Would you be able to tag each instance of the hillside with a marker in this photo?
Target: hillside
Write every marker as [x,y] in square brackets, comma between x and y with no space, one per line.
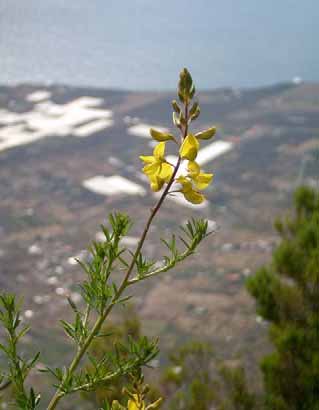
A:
[55,140]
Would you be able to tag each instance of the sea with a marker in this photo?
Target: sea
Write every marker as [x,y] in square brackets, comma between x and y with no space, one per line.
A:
[143,44]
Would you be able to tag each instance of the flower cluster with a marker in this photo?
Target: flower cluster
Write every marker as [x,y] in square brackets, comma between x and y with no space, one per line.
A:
[137,395]
[159,171]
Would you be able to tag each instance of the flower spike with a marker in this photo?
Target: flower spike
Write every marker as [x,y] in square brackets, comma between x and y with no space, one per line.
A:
[158,170]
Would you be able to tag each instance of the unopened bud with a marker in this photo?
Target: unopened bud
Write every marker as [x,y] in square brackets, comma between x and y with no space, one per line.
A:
[207,134]
[176,107]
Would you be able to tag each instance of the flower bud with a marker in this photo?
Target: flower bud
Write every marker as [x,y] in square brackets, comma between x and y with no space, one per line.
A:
[160,136]
[186,89]
[176,107]
[194,111]
[176,120]
[207,134]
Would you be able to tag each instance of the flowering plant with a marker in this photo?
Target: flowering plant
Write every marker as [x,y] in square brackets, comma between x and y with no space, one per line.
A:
[100,293]
[160,171]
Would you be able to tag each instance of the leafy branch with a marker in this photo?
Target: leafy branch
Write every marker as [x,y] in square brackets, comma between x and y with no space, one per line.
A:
[100,292]
[19,367]
[194,232]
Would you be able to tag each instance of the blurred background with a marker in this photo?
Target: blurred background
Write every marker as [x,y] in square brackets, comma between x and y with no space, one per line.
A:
[81,83]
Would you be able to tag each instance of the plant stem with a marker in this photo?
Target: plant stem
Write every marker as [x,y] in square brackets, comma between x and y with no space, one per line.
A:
[125,283]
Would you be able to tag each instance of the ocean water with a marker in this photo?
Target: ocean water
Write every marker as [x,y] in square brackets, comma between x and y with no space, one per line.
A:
[142,44]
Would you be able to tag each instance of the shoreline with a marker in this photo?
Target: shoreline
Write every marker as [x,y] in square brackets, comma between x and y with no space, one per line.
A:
[94,88]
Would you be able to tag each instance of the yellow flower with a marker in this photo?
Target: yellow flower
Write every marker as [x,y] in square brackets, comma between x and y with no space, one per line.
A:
[200,179]
[154,162]
[159,180]
[157,169]
[190,194]
[136,404]
[197,178]
[189,148]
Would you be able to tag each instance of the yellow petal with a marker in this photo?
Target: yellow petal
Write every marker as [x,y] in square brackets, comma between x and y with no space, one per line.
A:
[186,184]
[194,197]
[156,184]
[203,180]
[148,159]
[193,169]
[159,151]
[160,136]
[135,404]
[152,169]
[166,172]
[131,405]
[189,148]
